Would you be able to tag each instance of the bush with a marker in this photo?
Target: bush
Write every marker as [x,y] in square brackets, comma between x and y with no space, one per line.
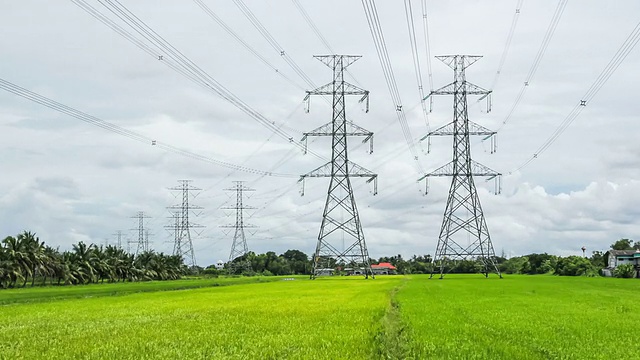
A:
[625,271]
[574,266]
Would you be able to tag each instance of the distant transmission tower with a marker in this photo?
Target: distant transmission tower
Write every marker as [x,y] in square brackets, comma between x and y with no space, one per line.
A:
[118,235]
[182,244]
[239,247]
[340,216]
[142,244]
[464,234]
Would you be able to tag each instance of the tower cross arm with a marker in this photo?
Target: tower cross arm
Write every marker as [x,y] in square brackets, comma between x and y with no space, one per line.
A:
[476,169]
[449,129]
[467,89]
[325,170]
[467,60]
[347,89]
[327,130]
[328,89]
[332,60]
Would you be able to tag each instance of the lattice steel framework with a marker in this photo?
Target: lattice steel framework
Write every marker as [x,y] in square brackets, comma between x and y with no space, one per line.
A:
[340,218]
[239,248]
[182,226]
[142,244]
[464,234]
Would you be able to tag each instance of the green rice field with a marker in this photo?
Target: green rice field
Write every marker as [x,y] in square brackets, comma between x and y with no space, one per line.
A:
[392,317]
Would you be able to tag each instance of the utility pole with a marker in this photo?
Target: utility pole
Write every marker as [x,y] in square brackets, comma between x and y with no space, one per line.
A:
[182,244]
[239,248]
[141,244]
[341,239]
[464,234]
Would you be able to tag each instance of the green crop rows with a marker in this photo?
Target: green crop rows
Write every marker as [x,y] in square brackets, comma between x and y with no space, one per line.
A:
[461,317]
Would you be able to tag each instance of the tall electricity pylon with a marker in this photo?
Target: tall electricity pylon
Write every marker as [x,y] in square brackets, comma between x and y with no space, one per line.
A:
[182,244]
[239,248]
[340,216]
[118,235]
[142,244]
[464,234]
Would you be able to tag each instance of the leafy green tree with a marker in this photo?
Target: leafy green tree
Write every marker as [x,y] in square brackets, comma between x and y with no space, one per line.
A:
[622,244]
[598,260]
[574,266]
[514,265]
[537,264]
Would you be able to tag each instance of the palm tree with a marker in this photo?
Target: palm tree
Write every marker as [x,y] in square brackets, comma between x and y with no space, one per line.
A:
[25,256]
[81,260]
[18,258]
[52,264]
[34,250]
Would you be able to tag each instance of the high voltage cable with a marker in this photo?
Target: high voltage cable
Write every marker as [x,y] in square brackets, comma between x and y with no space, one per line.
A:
[54,105]
[383,55]
[627,46]
[162,50]
[237,37]
[416,59]
[507,45]
[557,15]
[425,29]
[312,25]
[316,30]
[272,41]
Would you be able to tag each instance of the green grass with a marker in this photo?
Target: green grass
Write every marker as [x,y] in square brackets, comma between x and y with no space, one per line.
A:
[521,317]
[460,317]
[50,293]
[300,319]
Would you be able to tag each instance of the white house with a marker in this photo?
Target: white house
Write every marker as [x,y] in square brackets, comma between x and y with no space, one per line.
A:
[220,265]
[615,258]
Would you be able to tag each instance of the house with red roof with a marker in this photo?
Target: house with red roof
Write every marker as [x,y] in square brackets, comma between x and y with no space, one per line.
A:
[383,268]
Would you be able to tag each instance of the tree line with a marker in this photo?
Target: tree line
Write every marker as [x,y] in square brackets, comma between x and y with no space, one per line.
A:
[571,265]
[25,259]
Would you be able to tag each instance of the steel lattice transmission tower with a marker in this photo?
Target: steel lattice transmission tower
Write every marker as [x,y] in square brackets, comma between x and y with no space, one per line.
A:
[182,244]
[118,235]
[341,239]
[239,248]
[142,243]
[464,234]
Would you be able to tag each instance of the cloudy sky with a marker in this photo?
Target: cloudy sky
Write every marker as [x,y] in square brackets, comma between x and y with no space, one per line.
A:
[71,181]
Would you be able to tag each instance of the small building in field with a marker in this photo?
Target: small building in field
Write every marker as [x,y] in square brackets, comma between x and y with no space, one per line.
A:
[325,272]
[220,265]
[383,268]
[615,258]
[354,271]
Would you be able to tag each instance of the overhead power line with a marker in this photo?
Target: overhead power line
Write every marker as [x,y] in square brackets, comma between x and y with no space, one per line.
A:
[507,45]
[416,59]
[313,26]
[383,55]
[246,45]
[551,29]
[54,105]
[272,41]
[427,43]
[159,48]
[623,51]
